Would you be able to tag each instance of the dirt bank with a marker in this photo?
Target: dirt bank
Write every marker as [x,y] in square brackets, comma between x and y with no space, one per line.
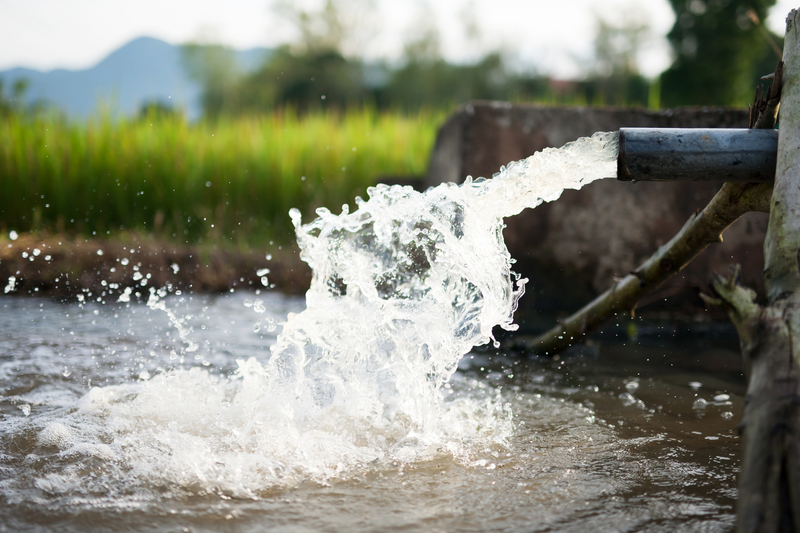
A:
[65,266]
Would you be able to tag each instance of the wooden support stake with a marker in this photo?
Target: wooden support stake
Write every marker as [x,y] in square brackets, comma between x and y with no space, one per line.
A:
[769,486]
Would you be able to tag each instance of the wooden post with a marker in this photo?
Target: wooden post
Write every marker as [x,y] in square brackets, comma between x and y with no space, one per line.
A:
[769,485]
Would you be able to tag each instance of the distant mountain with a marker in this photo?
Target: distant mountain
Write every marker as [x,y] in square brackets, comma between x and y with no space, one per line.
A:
[143,70]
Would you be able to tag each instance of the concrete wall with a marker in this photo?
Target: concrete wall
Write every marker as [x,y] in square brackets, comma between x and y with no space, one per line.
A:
[572,249]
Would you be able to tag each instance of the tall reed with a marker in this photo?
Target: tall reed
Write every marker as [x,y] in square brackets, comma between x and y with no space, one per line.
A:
[233,179]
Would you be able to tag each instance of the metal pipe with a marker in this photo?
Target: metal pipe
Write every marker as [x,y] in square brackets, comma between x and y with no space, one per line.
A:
[694,154]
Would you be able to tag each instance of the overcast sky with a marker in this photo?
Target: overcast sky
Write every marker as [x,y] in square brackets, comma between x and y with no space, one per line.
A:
[551,36]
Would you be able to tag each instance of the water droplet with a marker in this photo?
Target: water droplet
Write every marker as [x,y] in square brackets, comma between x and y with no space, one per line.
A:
[629,400]
[125,296]
[699,404]
[12,281]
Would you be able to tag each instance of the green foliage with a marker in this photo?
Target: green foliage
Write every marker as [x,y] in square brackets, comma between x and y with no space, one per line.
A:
[227,180]
[721,52]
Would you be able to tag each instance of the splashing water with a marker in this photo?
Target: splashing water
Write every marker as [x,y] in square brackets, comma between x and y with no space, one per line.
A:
[402,288]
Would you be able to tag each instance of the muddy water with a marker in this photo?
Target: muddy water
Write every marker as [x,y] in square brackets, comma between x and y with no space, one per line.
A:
[641,437]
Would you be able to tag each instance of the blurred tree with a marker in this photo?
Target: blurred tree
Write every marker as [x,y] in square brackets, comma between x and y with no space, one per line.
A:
[426,79]
[214,66]
[15,102]
[322,68]
[615,78]
[313,72]
[158,109]
[314,79]
[720,52]
[435,82]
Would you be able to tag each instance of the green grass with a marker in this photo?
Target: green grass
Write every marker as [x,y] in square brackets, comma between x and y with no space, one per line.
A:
[231,180]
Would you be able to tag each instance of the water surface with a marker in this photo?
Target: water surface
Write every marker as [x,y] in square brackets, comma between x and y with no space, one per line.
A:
[642,437]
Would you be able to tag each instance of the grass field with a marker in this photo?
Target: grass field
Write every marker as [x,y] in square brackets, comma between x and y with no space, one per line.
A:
[229,181]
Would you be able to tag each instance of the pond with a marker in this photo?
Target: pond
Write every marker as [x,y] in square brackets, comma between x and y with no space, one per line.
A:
[120,416]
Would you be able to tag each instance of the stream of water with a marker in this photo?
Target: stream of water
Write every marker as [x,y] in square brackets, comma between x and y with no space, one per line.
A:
[364,407]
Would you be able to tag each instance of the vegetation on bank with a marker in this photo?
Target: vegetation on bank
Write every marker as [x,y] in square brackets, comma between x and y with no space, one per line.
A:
[229,180]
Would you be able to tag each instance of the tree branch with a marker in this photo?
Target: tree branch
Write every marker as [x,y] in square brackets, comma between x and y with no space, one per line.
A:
[704,228]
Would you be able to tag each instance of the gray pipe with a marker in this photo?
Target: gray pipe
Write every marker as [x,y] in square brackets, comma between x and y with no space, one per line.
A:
[693,154]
